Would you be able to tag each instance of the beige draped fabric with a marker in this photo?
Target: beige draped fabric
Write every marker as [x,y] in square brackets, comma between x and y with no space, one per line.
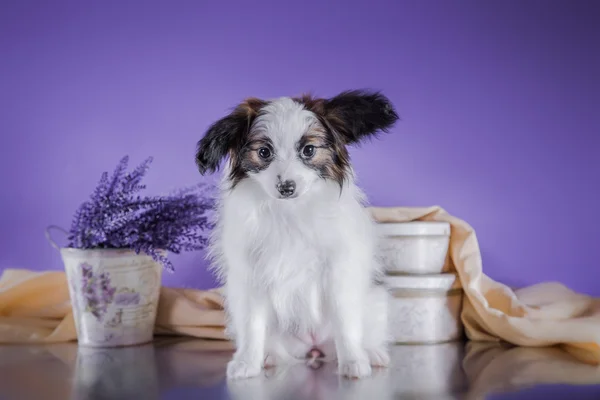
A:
[35,308]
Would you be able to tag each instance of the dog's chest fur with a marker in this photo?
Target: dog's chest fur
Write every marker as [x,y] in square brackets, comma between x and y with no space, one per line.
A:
[290,256]
[289,248]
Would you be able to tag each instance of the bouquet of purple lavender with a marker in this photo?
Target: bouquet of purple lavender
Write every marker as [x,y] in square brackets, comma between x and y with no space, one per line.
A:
[116,217]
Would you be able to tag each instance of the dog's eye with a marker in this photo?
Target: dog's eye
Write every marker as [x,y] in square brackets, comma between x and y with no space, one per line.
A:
[264,153]
[308,151]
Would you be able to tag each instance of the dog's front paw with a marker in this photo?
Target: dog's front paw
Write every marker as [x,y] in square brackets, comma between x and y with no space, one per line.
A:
[355,369]
[238,369]
[379,357]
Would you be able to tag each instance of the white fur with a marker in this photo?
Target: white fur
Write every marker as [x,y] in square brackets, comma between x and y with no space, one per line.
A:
[298,272]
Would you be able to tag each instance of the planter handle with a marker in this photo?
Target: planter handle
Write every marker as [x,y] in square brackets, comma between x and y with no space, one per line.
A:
[49,236]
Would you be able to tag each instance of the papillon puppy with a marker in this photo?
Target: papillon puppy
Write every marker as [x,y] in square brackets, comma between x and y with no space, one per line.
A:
[294,245]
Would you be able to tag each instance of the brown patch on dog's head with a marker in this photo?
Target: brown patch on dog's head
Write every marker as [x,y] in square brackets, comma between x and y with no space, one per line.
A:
[227,136]
[345,119]
[249,159]
[329,158]
[250,107]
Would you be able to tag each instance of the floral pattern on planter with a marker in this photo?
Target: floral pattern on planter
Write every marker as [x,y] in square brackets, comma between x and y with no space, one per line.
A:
[116,320]
[97,291]
[127,297]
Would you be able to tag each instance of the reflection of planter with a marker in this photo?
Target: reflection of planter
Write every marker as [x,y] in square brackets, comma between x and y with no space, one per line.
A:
[114,295]
[123,373]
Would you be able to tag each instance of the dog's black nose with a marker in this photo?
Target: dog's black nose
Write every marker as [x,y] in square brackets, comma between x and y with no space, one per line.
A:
[287,188]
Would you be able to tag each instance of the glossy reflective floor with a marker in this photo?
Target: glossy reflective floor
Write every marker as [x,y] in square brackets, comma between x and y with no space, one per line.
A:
[175,368]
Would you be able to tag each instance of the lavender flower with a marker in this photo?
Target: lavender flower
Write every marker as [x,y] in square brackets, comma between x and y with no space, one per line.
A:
[116,217]
[97,291]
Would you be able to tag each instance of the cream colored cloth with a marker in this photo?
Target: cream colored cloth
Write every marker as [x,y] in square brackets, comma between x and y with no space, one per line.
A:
[496,368]
[545,314]
[34,306]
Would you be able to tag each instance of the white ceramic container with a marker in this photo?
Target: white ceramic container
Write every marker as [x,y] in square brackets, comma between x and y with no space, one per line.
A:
[425,309]
[114,295]
[417,247]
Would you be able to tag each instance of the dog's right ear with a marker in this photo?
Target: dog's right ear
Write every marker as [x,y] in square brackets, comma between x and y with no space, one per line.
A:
[226,135]
[218,140]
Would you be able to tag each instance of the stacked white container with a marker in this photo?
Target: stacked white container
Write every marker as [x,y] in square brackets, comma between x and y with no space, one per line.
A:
[426,296]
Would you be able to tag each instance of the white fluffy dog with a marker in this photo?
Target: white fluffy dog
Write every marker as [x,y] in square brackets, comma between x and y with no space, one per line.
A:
[293,244]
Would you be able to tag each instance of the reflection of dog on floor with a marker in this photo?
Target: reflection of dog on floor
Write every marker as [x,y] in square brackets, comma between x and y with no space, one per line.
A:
[294,245]
[301,382]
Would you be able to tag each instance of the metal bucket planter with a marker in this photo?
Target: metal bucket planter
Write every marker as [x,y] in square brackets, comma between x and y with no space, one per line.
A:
[114,295]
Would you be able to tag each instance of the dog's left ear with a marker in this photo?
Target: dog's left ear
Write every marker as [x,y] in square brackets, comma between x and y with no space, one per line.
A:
[359,114]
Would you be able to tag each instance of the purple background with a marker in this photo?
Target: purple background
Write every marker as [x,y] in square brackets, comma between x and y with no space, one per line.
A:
[499,103]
